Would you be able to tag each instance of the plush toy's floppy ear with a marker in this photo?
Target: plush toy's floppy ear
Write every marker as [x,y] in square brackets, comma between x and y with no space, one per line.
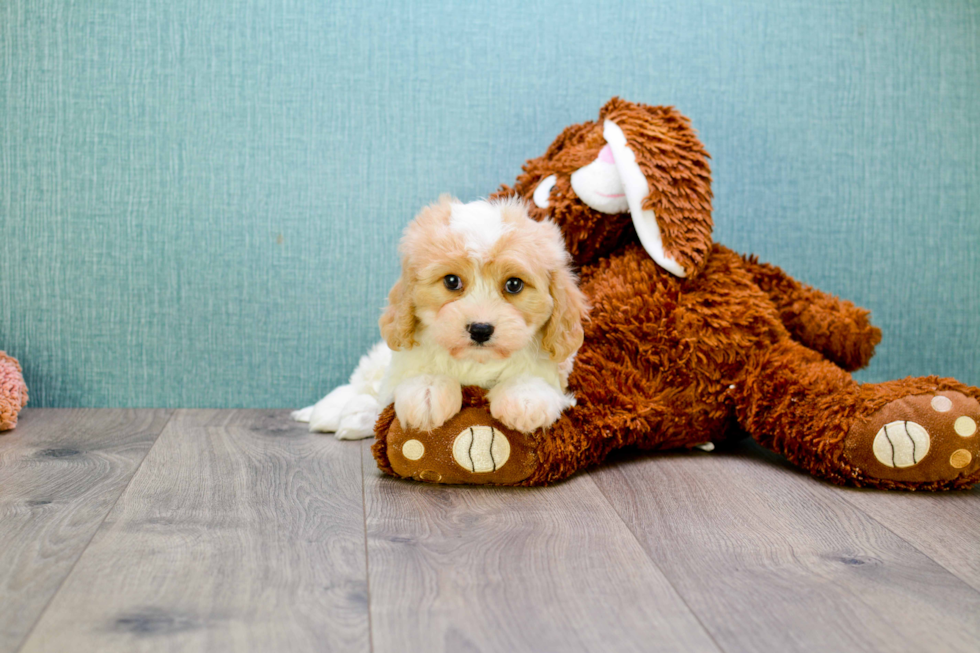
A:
[666,179]
[563,334]
[398,321]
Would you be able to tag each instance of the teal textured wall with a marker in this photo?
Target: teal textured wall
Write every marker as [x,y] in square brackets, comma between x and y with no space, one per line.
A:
[199,205]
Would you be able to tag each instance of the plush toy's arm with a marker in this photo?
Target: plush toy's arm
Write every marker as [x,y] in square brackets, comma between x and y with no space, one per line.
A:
[834,327]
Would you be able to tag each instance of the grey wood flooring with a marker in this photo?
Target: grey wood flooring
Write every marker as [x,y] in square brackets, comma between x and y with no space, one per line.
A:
[236,530]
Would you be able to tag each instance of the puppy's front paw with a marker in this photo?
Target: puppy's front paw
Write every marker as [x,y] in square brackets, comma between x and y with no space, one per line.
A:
[425,402]
[527,404]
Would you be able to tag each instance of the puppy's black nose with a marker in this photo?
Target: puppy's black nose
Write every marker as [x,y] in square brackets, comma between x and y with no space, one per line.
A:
[480,331]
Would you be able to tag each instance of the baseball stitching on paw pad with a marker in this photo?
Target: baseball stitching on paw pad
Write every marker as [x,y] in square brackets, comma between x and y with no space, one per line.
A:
[481,449]
[901,444]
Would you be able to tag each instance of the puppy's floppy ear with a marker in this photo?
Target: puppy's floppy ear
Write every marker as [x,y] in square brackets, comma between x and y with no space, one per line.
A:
[398,321]
[667,181]
[563,333]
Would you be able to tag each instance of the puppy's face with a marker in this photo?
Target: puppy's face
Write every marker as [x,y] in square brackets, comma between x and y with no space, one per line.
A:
[481,280]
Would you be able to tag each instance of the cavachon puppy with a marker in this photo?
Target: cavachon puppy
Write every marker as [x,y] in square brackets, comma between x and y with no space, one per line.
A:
[486,298]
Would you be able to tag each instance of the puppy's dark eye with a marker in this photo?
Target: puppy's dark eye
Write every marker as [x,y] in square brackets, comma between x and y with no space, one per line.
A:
[452,282]
[514,285]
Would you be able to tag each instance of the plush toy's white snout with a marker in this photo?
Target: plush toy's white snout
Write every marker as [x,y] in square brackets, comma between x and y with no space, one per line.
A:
[600,186]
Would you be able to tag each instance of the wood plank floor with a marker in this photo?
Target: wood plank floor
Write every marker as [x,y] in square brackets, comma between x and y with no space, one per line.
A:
[205,530]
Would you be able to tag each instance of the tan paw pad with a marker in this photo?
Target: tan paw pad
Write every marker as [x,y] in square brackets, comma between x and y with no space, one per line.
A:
[941,404]
[960,458]
[922,438]
[413,449]
[965,426]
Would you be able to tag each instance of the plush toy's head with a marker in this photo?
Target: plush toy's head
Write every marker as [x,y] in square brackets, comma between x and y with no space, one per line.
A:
[638,173]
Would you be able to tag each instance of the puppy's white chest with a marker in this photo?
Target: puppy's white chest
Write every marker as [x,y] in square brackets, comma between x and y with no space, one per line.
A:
[485,375]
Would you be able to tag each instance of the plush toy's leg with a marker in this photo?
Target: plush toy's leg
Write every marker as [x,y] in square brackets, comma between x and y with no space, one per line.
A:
[916,433]
[836,328]
[474,448]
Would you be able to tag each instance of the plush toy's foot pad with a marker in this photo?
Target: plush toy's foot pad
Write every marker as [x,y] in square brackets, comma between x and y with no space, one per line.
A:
[923,438]
[471,448]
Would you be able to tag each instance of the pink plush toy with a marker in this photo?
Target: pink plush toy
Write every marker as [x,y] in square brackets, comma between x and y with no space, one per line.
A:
[13,391]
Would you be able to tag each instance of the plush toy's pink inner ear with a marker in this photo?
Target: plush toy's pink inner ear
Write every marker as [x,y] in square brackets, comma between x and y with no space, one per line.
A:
[606,155]
[636,188]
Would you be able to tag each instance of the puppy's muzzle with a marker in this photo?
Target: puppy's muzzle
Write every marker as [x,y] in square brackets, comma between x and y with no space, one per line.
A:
[480,332]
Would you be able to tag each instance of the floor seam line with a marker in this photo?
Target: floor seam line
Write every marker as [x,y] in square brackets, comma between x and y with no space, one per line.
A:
[926,555]
[841,496]
[669,582]
[367,562]
[81,554]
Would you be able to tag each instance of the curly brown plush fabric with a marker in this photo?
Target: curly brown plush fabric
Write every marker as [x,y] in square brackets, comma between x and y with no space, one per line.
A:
[732,347]
[13,391]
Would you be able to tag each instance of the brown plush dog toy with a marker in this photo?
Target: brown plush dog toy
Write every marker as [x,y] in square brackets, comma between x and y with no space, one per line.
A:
[690,342]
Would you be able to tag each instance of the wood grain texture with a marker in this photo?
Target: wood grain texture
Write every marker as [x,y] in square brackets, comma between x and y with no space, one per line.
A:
[944,526]
[772,560]
[241,531]
[60,473]
[513,569]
